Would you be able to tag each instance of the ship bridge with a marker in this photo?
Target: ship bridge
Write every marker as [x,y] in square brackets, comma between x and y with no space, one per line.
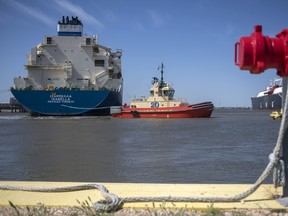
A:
[70,27]
[168,91]
[161,89]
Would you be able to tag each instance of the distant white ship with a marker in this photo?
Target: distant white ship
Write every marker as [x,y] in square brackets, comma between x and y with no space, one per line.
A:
[271,98]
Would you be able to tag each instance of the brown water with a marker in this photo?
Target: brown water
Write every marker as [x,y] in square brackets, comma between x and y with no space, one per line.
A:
[231,147]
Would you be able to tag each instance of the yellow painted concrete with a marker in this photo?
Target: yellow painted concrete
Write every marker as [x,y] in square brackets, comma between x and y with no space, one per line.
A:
[264,197]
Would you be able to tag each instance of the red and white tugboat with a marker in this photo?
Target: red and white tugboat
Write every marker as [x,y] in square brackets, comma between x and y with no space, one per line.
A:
[161,104]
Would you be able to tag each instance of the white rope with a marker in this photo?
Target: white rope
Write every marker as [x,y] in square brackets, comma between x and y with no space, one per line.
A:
[111,203]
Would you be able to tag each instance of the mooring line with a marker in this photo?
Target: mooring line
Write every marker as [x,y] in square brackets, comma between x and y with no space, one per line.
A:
[111,203]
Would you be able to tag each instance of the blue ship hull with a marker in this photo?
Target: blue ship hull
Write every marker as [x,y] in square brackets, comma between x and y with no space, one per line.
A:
[68,102]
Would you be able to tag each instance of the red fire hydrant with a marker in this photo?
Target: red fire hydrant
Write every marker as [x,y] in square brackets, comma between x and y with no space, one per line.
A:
[258,53]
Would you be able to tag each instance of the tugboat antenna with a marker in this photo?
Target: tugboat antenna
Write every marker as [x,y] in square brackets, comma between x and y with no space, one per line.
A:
[161,67]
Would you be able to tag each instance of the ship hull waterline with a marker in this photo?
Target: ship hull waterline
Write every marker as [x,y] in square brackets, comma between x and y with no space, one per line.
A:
[68,102]
[203,110]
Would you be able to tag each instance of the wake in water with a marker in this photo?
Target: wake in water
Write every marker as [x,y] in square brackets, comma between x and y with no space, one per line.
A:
[17,116]
[12,117]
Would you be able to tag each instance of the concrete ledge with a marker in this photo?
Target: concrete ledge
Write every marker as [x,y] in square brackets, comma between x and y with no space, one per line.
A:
[263,198]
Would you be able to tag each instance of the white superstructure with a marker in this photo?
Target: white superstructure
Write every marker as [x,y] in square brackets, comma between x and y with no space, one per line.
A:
[274,88]
[161,95]
[71,60]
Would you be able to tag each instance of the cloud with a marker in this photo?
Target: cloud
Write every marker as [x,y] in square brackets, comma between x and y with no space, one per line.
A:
[78,11]
[139,26]
[110,16]
[156,18]
[39,15]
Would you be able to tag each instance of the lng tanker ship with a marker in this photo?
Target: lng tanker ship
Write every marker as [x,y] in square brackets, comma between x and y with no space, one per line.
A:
[70,74]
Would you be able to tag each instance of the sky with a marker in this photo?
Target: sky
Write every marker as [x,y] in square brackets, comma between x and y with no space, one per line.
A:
[193,38]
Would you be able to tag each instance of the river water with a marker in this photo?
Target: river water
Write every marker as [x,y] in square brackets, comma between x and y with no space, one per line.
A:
[230,147]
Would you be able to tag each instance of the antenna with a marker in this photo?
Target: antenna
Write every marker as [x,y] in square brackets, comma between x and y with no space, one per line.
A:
[161,67]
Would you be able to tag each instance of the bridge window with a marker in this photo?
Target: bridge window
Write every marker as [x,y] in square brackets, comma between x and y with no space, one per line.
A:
[99,63]
[169,94]
[88,41]
[49,40]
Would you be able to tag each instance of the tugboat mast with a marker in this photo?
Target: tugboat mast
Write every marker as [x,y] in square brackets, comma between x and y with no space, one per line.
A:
[161,67]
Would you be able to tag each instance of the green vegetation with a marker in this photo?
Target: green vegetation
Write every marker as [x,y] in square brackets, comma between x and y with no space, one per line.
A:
[211,211]
[40,210]
[86,209]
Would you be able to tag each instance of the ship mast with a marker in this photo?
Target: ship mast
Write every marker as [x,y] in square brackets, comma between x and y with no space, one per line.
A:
[161,67]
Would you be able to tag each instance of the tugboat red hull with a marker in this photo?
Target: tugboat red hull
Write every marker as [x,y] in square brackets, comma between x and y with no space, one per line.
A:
[200,110]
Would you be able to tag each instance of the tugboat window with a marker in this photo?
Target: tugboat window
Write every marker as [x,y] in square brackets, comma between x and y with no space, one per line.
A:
[99,63]
[171,94]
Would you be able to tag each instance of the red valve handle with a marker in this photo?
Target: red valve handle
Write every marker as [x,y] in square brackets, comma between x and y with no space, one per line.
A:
[236,53]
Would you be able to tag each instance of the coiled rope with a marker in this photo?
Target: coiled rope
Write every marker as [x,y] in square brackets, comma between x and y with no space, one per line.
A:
[112,202]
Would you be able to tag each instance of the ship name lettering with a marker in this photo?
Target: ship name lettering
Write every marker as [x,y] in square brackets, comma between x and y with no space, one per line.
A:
[54,98]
